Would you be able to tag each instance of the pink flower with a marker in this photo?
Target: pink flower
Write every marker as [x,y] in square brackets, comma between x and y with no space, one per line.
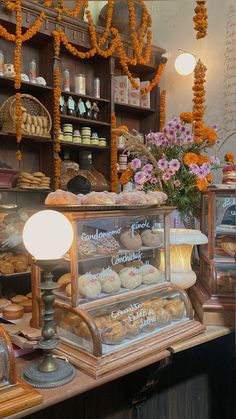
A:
[162,164]
[177,183]
[166,177]
[136,164]
[147,168]
[140,178]
[215,160]
[170,171]
[153,180]
[174,164]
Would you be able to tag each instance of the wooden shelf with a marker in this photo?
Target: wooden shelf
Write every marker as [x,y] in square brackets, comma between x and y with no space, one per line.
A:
[134,109]
[25,190]
[25,86]
[34,138]
[92,98]
[85,146]
[77,120]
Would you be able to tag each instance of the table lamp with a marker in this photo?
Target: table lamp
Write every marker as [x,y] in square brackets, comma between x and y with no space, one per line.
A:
[47,236]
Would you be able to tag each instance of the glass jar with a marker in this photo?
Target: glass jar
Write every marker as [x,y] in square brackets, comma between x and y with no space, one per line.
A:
[66,80]
[80,84]
[2,66]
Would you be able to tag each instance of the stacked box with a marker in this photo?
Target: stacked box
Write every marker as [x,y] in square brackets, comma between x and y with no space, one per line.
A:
[145,99]
[120,84]
[133,94]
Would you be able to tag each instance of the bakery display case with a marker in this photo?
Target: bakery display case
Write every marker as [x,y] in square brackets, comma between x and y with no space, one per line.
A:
[114,299]
[213,295]
[107,337]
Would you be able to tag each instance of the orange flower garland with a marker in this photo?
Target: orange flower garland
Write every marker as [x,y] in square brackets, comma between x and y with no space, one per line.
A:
[57,124]
[162,110]
[106,32]
[126,177]
[186,117]
[199,92]
[229,157]
[155,81]
[201,184]
[190,158]
[114,175]
[63,9]
[34,29]
[18,112]
[200,19]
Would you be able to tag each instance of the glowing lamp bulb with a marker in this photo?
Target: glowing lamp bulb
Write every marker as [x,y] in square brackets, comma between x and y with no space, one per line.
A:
[47,235]
[185,63]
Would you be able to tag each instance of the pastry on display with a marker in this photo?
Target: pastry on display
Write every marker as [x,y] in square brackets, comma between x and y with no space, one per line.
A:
[130,278]
[89,286]
[155,197]
[130,198]
[110,281]
[228,244]
[13,312]
[163,316]
[86,248]
[27,305]
[6,268]
[114,333]
[149,322]
[150,274]
[4,303]
[60,197]
[10,263]
[133,327]
[18,299]
[176,308]
[150,238]
[64,280]
[35,180]
[131,240]
[107,245]
[98,198]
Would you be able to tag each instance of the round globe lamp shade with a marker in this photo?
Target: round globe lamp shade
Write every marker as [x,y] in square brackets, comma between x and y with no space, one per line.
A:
[185,63]
[47,235]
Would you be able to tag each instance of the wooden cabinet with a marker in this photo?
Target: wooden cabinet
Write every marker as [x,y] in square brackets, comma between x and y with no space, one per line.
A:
[37,152]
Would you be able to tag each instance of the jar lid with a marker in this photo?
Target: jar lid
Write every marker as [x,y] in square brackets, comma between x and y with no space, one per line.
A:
[86,128]
[67,125]
[80,75]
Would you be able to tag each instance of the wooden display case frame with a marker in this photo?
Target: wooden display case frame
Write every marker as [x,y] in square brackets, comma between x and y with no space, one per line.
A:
[212,308]
[16,395]
[96,363]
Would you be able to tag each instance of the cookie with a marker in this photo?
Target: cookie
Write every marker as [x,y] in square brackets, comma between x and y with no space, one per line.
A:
[38,174]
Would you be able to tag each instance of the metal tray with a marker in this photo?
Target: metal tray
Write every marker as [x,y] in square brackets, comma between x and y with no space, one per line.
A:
[100,207]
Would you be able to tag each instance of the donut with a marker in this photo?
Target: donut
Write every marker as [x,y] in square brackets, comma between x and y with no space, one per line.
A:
[150,274]
[131,240]
[110,281]
[114,334]
[130,278]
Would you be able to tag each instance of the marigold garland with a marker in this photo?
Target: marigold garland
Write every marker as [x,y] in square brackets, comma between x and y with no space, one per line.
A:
[200,19]
[162,110]
[70,12]
[114,174]
[18,112]
[57,124]
[229,157]
[186,117]
[155,81]
[198,108]
[126,177]
[190,158]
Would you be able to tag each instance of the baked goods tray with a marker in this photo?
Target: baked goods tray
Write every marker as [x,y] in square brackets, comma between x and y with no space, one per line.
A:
[15,274]
[100,207]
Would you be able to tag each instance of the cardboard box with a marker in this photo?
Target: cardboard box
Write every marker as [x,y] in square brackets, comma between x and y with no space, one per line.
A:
[133,94]
[120,84]
[144,99]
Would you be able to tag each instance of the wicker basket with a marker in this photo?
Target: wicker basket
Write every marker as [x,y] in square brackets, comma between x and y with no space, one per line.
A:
[35,117]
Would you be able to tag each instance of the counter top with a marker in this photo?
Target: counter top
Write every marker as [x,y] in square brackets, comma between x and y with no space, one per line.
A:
[83,382]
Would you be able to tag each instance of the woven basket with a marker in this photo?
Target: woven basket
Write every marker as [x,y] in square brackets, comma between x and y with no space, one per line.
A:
[35,117]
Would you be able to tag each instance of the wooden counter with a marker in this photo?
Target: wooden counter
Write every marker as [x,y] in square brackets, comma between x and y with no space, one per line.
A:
[83,383]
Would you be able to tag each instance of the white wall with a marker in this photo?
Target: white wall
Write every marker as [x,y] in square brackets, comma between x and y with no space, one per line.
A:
[173,29]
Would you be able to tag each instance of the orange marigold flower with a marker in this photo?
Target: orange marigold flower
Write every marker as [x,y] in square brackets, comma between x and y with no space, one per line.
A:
[190,158]
[201,184]
[209,178]
[209,134]
[229,157]
[186,117]
[202,159]
[126,177]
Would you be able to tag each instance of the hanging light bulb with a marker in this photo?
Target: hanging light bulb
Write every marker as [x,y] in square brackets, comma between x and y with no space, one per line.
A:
[185,63]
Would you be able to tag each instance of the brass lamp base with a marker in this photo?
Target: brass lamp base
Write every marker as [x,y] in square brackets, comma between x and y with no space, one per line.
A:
[64,373]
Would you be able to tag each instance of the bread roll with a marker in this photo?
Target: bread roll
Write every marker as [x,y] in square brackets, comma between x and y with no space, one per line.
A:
[13,312]
[130,278]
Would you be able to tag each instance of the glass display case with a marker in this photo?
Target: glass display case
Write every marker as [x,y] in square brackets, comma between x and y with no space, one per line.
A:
[114,299]
[214,292]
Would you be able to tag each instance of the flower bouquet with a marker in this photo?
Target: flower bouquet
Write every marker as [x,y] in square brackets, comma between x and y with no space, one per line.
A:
[173,161]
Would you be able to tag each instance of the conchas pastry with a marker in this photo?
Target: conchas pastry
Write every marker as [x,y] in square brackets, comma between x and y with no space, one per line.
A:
[89,286]
[130,278]
[131,240]
[131,197]
[110,281]
[150,274]
[60,197]
[151,238]
[156,197]
[98,198]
